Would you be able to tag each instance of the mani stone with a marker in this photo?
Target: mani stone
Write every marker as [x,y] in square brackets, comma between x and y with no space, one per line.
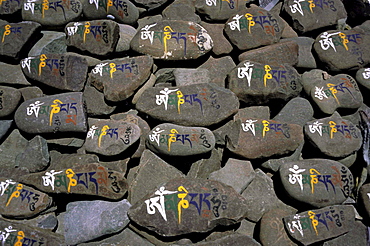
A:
[15,36]
[12,75]
[275,54]
[120,78]
[18,233]
[9,7]
[256,83]
[307,16]
[52,13]
[254,138]
[9,100]
[343,50]
[183,206]
[358,236]
[253,27]
[172,40]
[60,112]
[363,77]
[110,137]
[62,71]
[192,105]
[90,179]
[21,201]
[98,37]
[317,182]
[217,10]
[334,136]
[87,220]
[175,140]
[316,225]
[122,11]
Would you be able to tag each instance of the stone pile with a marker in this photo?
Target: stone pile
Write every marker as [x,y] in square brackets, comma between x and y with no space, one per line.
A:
[184,122]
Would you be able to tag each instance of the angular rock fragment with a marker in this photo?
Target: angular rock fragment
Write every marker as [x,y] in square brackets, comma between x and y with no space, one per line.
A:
[9,7]
[52,42]
[217,10]
[218,69]
[95,103]
[183,206]
[9,100]
[296,111]
[12,75]
[61,112]
[221,46]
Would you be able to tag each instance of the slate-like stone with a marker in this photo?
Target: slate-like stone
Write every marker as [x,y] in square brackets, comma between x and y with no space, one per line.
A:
[296,111]
[120,78]
[62,71]
[95,103]
[152,4]
[183,206]
[358,236]
[9,100]
[221,46]
[14,144]
[110,137]
[87,220]
[10,7]
[64,161]
[317,182]
[4,127]
[218,69]
[122,11]
[236,173]
[172,40]
[363,77]
[307,16]
[274,54]
[31,92]
[21,201]
[12,75]
[151,172]
[61,112]
[217,10]
[126,33]
[69,142]
[316,225]
[334,136]
[90,179]
[53,13]
[189,76]
[15,36]
[193,105]
[181,10]
[364,199]
[253,27]
[35,157]
[52,42]
[175,140]
[343,50]
[305,56]
[256,83]
[205,166]
[98,37]
[257,138]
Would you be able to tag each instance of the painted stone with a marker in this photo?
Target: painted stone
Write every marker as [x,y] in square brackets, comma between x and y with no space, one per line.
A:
[316,225]
[51,13]
[221,45]
[334,136]
[120,78]
[253,27]
[317,182]
[183,206]
[343,50]
[98,37]
[89,179]
[62,71]
[17,233]
[21,201]
[218,10]
[123,11]
[257,138]
[364,199]
[175,140]
[256,83]
[57,113]
[311,15]
[9,100]
[9,7]
[14,37]
[363,77]
[172,40]
[110,137]
[192,105]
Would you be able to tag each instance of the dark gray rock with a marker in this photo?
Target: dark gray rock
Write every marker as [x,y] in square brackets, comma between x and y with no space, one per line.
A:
[4,127]
[53,13]
[87,220]
[218,69]
[193,105]
[63,161]
[305,56]
[95,103]
[358,236]
[12,75]
[317,225]
[152,4]
[364,199]
[317,182]
[69,142]
[31,92]
[98,37]
[296,111]
[334,136]
[215,10]
[256,83]
[189,76]
[10,7]
[221,46]
[110,137]
[205,166]
[203,204]
[120,78]
[181,10]
[126,33]
[172,40]
[52,42]
[363,77]
[9,100]
[308,16]
[14,144]
[175,140]
[256,25]
[232,239]
[63,71]
[61,112]
[21,201]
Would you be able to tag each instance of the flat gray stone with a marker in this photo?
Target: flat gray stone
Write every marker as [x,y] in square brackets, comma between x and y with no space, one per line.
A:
[31,92]
[9,99]
[297,111]
[95,103]
[358,236]
[205,166]
[221,46]
[4,127]
[12,75]
[52,42]
[305,56]
[14,144]
[189,76]
[126,33]
[218,69]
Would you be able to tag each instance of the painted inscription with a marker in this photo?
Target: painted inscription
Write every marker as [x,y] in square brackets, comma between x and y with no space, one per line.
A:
[366,73]
[36,65]
[264,127]
[129,69]
[299,6]
[333,128]
[11,236]
[220,3]
[52,6]
[108,132]
[98,31]
[9,32]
